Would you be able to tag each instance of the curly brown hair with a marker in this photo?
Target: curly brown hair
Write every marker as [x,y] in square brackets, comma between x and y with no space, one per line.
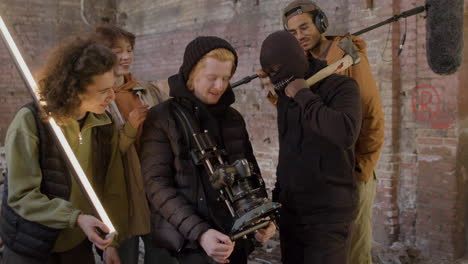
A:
[108,35]
[69,69]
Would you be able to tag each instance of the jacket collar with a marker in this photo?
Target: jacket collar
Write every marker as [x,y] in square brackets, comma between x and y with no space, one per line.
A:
[92,120]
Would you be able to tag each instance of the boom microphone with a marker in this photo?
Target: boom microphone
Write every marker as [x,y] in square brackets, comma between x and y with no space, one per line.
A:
[444,35]
[244,80]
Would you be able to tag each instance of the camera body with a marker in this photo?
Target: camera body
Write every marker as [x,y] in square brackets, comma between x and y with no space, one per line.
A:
[240,187]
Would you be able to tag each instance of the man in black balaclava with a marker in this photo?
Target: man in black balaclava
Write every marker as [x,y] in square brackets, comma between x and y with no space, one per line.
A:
[318,127]
[283,60]
[308,23]
[187,216]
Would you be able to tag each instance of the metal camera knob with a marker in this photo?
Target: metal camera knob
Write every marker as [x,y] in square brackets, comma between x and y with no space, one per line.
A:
[243,168]
[224,175]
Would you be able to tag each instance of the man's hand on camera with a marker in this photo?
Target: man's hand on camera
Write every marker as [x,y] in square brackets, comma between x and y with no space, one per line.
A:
[264,234]
[90,226]
[217,245]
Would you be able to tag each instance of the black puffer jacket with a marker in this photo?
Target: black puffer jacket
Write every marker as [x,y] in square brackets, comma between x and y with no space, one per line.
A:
[317,132]
[175,187]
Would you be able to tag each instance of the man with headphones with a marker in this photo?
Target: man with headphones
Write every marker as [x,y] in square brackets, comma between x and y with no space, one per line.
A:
[308,23]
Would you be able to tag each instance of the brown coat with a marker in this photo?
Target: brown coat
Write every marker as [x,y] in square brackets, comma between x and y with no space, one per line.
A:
[139,214]
[371,137]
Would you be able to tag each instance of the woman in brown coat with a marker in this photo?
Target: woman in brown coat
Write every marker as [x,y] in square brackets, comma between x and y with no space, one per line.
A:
[132,99]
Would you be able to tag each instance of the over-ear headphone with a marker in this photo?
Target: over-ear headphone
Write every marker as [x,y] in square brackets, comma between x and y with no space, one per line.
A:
[305,6]
[321,21]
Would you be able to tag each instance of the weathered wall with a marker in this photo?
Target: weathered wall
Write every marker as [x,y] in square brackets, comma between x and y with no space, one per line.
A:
[419,199]
[422,175]
[431,217]
[165,28]
[36,25]
[462,151]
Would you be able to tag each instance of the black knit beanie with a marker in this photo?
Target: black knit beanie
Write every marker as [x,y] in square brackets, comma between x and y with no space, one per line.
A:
[197,48]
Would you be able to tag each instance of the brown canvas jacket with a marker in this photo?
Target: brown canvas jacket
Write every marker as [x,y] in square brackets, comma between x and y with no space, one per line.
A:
[139,213]
[371,137]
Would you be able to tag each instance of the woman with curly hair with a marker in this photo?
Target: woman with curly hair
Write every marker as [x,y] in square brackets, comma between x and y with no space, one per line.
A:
[45,215]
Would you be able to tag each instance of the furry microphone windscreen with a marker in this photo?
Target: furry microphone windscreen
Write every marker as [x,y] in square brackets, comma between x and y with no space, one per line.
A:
[444,35]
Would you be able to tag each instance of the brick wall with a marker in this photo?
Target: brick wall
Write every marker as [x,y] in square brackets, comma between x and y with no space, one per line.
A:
[462,153]
[36,25]
[421,197]
[419,194]
[430,128]
[164,29]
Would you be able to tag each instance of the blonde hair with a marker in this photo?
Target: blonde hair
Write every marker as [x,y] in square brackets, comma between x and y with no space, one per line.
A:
[220,54]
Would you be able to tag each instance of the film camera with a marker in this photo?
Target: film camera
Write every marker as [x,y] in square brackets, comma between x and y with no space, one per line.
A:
[242,190]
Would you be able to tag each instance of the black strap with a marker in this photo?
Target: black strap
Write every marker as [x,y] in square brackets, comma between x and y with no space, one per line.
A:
[200,143]
[186,123]
[189,128]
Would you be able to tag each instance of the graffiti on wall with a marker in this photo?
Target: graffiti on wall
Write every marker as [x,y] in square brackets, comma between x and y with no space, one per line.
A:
[428,107]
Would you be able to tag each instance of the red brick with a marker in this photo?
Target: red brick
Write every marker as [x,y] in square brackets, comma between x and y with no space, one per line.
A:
[430,141]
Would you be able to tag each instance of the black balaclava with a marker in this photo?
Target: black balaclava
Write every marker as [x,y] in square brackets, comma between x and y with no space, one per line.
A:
[281,50]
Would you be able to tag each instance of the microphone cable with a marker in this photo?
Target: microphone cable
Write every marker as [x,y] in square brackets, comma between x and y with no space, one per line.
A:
[402,43]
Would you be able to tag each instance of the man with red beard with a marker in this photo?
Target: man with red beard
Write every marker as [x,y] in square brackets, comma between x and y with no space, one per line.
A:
[188,217]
